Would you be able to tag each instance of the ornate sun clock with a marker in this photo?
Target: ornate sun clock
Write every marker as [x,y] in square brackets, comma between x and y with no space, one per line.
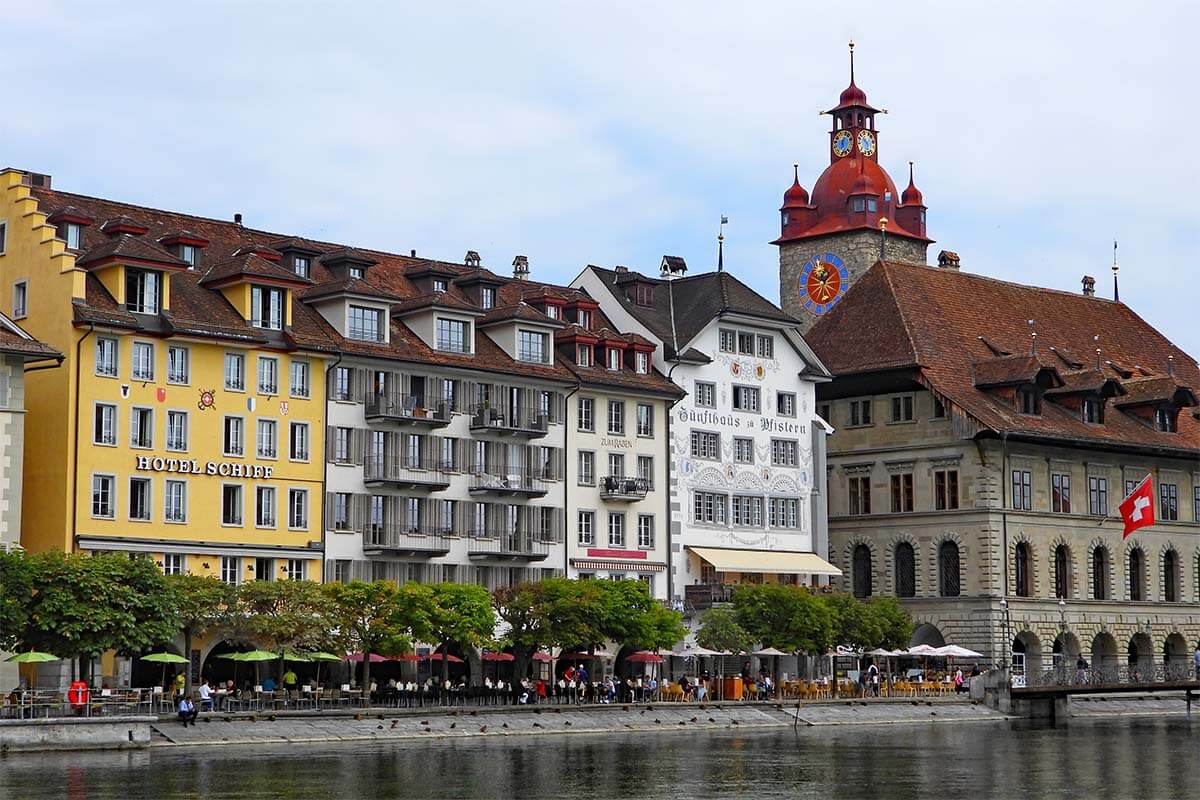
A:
[823,281]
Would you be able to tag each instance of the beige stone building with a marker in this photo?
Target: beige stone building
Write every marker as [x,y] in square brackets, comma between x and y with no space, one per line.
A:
[985,435]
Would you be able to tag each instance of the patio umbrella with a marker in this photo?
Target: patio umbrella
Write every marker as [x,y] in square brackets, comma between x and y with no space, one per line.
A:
[921,650]
[773,654]
[540,656]
[290,656]
[32,657]
[413,657]
[955,651]
[374,658]
[451,658]
[644,657]
[164,659]
[494,656]
[257,656]
[320,656]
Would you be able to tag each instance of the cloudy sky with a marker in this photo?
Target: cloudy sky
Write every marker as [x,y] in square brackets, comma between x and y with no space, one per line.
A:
[614,133]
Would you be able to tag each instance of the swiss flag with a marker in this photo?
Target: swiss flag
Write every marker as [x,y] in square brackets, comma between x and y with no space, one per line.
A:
[1138,509]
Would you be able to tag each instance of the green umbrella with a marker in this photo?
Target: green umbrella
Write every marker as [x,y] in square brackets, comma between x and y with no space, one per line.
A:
[257,655]
[232,656]
[32,657]
[290,656]
[320,656]
[164,659]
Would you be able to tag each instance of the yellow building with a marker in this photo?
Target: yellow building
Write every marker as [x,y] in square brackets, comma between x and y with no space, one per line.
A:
[188,419]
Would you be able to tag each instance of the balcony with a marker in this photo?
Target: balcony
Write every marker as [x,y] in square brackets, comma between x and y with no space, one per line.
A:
[508,545]
[403,473]
[406,540]
[408,409]
[508,482]
[624,489]
[530,423]
[703,596]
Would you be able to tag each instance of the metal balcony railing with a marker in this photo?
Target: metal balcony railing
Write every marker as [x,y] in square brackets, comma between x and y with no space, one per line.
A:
[514,421]
[405,472]
[408,409]
[616,487]
[400,539]
[518,545]
[503,481]
[703,596]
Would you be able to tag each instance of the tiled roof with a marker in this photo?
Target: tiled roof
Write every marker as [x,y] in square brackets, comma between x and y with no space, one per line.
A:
[124,245]
[252,265]
[438,300]
[929,320]
[1010,370]
[517,311]
[351,286]
[14,339]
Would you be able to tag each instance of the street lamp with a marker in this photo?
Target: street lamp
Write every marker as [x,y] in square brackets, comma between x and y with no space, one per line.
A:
[1007,634]
[1062,613]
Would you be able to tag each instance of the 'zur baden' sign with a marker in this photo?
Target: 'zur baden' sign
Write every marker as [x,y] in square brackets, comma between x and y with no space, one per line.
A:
[190,466]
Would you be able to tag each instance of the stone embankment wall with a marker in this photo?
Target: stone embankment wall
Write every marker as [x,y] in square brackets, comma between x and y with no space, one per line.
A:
[96,733]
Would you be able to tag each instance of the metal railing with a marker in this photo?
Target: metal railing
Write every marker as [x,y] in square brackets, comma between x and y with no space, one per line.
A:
[499,480]
[405,471]
[398,537]
[703,596]
[616,487]
[508,544]
[517,420]
[408,408]
[1142,673]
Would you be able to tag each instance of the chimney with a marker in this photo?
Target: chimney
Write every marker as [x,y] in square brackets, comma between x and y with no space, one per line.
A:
[948,259]
[619,268]
[412,253]
[1089,286]
[472,259]
[237,219]
[521,267]
[35,179]
[673,267]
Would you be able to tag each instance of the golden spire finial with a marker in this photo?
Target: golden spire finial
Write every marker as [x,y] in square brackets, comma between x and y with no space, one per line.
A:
[852,61]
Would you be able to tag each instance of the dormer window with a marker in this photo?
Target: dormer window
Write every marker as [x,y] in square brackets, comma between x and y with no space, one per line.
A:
[583,318]
[452,335]
[531,346]
[266,307]
[143,291]
[583,355]
[188,253]
[72,234]
[302,266]
[487,297]
[1029,401]
[1164,420]
[644,294]
[858,204]
[786,218]
[614,358]
[358,272]
[641,363]
[1093,410]
[551,311]
[439,284]
[365,324]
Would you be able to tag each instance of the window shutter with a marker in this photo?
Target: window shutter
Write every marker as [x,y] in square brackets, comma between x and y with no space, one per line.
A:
[358,445]
[329,511]
[329,439]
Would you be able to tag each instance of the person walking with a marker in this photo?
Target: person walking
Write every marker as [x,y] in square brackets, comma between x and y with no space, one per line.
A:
[873,678]
[1196,660]
[187,711]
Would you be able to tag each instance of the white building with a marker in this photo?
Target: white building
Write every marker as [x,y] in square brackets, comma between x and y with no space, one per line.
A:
[746,446]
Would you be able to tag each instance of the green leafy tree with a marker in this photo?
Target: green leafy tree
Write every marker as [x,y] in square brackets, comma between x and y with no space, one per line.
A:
[788,618]
[16,595]
[893,623]
[852,624]
[287,615]
[523,611]
[719,630]
[203,604]
[447,613]
[367,619]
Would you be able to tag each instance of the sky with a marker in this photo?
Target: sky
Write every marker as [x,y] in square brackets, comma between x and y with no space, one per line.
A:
[615,133]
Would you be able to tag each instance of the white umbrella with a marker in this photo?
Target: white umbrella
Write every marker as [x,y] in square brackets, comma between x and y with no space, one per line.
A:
[769,651]
[689,652]
[954,651]
[922,650]
[883,651]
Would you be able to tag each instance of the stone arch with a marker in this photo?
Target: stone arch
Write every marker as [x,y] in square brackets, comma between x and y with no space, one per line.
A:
[1104,651]
[1170,574]
[1066,650]
[892,571]
[848,560]
[1136,570]
[1175,652]
[1140,652]
[748,479]
[710,476]
[1031,572]
[783,484]
[927,633]
[1105,579]
[1061,558]
[1027,653]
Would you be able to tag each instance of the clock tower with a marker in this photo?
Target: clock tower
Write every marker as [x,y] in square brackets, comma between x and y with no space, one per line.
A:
[829,239]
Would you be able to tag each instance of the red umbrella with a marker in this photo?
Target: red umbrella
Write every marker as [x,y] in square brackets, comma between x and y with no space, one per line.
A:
[453,659]
[490,656]
[540,656]
[644,657]
[357,658]
[406,657]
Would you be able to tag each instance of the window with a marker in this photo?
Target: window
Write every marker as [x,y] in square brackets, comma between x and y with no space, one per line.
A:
[860,495]
[487,297]
[587,414]
[1022,490]
[902,408]
[948,571]
[104,491]
[644,294]
[645,419]
[706,394]
[172,563]
[616,529]
[1029,401]
[745,398]
[174,501]
[139,499]
[358,273]
[3,237]
[706,445]
[747,511]
[861,571]
[233,443]
[341,389]
[906,570]
[728,341]
[552,311]
[785,452]
[945,489]
[297,569]
[1164,420]
[645,470]
[20,299]
[299,384]
[268,375]
[141,428]
[235,372]
[341,511]
[298,441]
[616,465]
[825,411]
[177,430]
[616,417]
[143,361]
[1062,571]
[1171,576]
[339,449]
[266,307]
[766,346]
[531,346]
[860,412]
[267,440]
[264,505]
[645,531]
[142,290]
[452,335]
[302,266]
[1168,501]
[743,450]
[1097,496]
[1060,493]
[902,493]
[72,234]
[785,404]
[1100,573]
[264,569]
[231,504]
[784,512]
[939,408]
[587,528]
[641,362]
[587,467]
[745,343]
[104,429]
[708,507]
[614,358]
[106,357]
[583,317]
[178,364]
[1196,511]
[366,324]
[1093,410]
[231,570]
[1021,569]
[1137,574]
[583,355]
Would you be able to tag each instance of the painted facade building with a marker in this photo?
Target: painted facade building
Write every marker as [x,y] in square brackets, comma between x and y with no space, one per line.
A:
[747,449]
[978,462]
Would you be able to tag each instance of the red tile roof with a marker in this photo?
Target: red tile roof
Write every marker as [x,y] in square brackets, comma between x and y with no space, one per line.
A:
[251,265]
[125,247]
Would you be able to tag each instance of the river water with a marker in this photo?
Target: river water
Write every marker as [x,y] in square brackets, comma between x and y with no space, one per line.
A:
[1122,758]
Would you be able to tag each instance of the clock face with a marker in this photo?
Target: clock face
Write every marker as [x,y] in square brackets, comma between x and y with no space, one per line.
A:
[823,281]
[841,144]
[866,143]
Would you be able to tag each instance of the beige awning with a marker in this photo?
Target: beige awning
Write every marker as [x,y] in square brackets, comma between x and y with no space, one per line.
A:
[733,560]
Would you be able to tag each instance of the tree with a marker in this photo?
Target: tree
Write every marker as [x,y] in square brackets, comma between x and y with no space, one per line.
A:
[719,630]
[290,615]
[446,613]
[367,620]
[16,594]
[202,604]
[629,615]
[788,618]
[894,624]
[852,625]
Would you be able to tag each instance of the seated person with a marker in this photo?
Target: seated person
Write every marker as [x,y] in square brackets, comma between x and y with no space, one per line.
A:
[187,711]
[206,700]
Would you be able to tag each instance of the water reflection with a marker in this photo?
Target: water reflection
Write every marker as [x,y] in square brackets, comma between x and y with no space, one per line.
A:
[1087,758]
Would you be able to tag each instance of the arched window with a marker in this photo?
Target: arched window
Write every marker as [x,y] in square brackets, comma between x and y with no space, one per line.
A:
[906,570]
[1137,574]
[862,571]
[1021,569]
[1062,571]
[1100,574]
[1171,577]
[948,572]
